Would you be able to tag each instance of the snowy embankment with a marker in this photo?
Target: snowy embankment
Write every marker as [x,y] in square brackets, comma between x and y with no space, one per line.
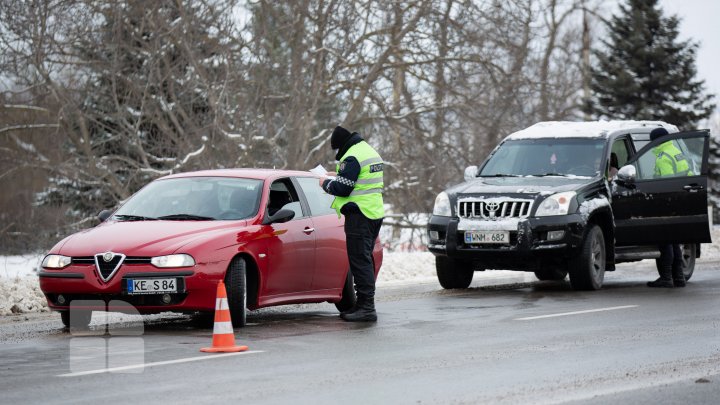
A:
[19,288]
[20,292]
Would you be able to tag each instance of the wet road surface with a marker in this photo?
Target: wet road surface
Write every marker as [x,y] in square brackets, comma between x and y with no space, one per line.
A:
[510,340]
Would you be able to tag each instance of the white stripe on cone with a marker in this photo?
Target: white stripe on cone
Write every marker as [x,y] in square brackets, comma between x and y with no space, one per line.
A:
[222,328]
[221,303]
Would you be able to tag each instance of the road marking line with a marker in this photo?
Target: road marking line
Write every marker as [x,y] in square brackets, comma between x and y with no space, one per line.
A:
[158,363]
[575,313]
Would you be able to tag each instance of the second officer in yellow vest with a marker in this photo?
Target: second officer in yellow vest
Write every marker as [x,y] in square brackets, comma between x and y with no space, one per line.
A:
[669,162]
[358,190]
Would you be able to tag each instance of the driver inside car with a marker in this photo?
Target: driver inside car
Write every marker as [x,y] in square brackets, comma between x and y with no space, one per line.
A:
[203,203]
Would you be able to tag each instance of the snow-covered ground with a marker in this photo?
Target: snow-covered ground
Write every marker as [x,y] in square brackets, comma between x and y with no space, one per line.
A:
[19,288]
[20,292]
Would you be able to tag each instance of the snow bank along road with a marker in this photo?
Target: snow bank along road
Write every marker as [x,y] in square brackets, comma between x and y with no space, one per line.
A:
[506,340]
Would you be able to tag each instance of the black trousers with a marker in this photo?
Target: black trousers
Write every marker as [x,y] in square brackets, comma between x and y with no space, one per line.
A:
[360,235]
[670,261]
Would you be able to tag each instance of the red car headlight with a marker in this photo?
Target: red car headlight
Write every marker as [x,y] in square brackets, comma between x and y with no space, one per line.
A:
[178,260]
[56,261]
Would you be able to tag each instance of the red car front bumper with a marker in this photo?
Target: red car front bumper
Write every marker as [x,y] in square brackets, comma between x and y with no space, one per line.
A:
[196,287]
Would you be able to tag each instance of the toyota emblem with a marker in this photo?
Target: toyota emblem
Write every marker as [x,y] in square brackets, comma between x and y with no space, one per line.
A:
[107,256]
[492,206]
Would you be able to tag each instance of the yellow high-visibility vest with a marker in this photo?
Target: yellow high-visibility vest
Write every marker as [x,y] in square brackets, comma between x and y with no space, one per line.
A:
[367,193]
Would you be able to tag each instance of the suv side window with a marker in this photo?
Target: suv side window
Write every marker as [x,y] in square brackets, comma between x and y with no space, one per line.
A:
[284,196]
[691,150]
[318,200]
[619,155]
[620,149]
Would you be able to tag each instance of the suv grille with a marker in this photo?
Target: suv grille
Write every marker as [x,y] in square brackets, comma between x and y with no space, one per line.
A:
[493,209]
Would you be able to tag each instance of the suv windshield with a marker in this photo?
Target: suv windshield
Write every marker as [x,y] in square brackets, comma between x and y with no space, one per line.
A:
[546,157]
[193,199]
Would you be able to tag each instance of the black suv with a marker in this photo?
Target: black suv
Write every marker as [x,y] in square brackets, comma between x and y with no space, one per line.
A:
[572,197]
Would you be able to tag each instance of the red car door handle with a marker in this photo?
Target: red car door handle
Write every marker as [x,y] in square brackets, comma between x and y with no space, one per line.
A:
[308,230]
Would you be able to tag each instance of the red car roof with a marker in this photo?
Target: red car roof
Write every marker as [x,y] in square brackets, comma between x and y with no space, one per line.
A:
[242,173]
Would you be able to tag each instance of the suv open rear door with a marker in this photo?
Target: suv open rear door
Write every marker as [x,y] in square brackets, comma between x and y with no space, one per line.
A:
[671,209]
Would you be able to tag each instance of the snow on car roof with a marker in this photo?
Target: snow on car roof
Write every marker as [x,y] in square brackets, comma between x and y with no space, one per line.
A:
[587,129]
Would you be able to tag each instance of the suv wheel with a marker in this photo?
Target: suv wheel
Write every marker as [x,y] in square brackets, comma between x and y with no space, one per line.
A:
[587,269]
[551,273]
[453,273]
[688,260]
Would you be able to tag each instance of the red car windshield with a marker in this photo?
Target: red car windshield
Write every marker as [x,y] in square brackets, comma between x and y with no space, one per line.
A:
[194,199]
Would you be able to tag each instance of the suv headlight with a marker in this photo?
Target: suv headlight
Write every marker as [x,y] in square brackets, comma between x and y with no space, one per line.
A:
[556,204]
[56,261]
[179,260]
[442,205]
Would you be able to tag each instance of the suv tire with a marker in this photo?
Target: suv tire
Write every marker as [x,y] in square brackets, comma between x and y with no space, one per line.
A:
[236,285]
[551,274]
[587,269]
[688,260]
[453,273]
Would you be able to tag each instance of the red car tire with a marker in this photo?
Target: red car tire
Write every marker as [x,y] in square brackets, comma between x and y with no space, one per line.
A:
[236,286]
[348,295]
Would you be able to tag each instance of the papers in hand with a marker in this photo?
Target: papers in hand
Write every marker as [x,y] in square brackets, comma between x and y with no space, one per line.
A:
[319,170]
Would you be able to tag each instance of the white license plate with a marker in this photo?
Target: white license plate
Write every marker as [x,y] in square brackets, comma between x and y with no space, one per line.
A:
[479,237]
[151,285]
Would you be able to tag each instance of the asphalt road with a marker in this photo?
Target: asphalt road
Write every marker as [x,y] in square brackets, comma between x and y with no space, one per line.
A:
[502,341]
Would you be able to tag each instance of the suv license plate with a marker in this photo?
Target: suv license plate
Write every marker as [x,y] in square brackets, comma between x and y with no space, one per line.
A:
[481,237]
[151,286]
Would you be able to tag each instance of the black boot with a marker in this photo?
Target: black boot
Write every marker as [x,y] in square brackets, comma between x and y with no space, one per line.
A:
[351,310]
[365,311]
[678,278]
[665,280]
[661,283]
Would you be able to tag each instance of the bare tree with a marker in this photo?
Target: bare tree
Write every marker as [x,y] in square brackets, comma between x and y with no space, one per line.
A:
[140,91]
[129,91]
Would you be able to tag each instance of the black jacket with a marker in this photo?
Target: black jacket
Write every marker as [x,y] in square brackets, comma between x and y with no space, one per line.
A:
[348,173]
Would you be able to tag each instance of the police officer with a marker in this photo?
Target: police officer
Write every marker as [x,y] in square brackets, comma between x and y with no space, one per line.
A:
[669,162]
[358,189]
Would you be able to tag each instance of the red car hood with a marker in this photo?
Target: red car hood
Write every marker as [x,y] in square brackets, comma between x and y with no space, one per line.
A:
[142,238]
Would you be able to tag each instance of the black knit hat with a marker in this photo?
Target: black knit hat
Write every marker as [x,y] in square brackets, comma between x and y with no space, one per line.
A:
[657,133]
[339,136]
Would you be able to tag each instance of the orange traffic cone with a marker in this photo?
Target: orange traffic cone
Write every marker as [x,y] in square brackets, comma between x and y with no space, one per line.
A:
[223,336]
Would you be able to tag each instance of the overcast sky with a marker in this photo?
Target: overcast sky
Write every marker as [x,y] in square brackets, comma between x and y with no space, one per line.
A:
[700,22]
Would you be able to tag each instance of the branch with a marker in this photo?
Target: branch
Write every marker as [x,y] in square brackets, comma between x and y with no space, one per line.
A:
[28,147]
[25,107]
[319,145]
[28,126]
[189,155]
[2,231]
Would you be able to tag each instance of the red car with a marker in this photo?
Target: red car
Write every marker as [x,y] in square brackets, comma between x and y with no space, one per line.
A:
[269,234]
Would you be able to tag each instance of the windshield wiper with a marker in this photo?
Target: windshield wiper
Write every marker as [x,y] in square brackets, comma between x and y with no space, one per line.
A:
[551,174]
[499,175]
[123,217]
[186,217]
